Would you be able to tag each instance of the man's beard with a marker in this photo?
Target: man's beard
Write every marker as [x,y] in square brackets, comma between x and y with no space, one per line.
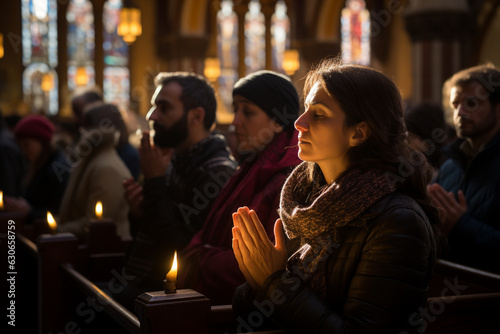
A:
[479,128]
[172,136]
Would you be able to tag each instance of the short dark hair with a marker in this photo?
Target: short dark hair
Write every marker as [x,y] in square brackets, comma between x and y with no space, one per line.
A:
[486,74]
[196,92]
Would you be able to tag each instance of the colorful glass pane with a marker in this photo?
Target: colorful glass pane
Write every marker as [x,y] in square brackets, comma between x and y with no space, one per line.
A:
[280,31]
[116,81]
[255,42]
[355,33]
[115,49]
[116,85]
[34,96]
[81,41]
[73,83]
[39,30]
[227,52]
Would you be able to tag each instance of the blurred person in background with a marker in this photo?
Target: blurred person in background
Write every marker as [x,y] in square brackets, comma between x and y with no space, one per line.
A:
[47,174]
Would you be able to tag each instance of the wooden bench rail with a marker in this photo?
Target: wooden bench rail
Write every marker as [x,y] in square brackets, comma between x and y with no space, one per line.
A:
[30,245]
[115,310]
[472,275]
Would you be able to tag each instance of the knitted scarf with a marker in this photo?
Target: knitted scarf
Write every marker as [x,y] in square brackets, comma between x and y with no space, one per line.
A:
[315,210]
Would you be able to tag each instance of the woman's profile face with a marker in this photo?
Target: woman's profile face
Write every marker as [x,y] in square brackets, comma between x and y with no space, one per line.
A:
[323,137]
[254,129]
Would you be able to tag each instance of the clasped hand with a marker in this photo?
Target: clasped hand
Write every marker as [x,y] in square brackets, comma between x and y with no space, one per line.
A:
[257,257]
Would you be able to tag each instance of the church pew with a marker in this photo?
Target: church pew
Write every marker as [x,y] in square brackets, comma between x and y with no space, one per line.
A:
[120,314]
[104,251]
[97,259]
[462,300]
[470,303]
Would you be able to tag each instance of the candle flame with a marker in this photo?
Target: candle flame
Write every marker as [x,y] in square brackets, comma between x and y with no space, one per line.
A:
[98,210]
[51,221]
[1,200]
[172,274]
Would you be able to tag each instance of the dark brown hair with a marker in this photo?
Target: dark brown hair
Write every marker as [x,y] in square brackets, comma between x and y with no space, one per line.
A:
[366,95]
[487,75]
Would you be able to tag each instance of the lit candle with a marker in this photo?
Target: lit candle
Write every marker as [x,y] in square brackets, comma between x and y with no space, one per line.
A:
[98,210]
[1,200]
[171,277]
[52,222]
[172,274]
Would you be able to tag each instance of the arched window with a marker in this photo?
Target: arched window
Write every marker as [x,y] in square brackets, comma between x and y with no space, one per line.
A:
[39,30]
[255,42]
[81,44]
[355,33]
[116,82]
[280,31]
[227,51]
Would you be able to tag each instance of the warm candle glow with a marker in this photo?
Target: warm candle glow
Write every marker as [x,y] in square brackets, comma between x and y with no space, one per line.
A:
[1,200]
[1,46]
[129,26]
[212,68]
[47,82]
[98,210]
[172,274]
[51,221]
[81,77]
[291,61]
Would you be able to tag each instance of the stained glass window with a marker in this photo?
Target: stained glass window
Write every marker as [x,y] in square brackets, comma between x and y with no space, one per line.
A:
[39,45]
[227,52]
[280,31]
[355,33]
[116,85]
[80,43]
[40,88]
[255,42]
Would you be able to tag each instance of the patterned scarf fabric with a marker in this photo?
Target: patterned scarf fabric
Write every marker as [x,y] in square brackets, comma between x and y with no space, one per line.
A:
[314,212]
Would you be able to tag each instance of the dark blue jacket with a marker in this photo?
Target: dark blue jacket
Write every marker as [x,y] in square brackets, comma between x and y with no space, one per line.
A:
[475,239]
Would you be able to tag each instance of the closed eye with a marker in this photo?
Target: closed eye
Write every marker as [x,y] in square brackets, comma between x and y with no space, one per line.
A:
[318,116]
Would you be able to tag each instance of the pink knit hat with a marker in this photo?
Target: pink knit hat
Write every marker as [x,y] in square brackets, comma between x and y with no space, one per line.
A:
[35,126]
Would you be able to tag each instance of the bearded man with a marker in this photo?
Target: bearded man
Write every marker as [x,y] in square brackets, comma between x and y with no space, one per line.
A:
[467,191]
[183,170]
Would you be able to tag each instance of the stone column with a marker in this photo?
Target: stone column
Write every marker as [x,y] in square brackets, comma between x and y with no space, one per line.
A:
[267,9]
[241,8]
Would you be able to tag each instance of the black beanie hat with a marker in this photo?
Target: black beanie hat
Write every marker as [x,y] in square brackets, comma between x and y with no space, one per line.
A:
[272,92]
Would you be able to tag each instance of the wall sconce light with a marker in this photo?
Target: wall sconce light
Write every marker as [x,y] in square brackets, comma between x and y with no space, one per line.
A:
[291,61]
[212,69]
[1,46]
[130,23]
[81,77]
[47,82]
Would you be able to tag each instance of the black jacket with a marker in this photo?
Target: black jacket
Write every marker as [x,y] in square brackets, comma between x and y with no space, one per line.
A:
[475,238]
[377,279]
[45,191]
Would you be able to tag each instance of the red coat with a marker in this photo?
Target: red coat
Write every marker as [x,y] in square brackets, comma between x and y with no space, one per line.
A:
[207,264]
